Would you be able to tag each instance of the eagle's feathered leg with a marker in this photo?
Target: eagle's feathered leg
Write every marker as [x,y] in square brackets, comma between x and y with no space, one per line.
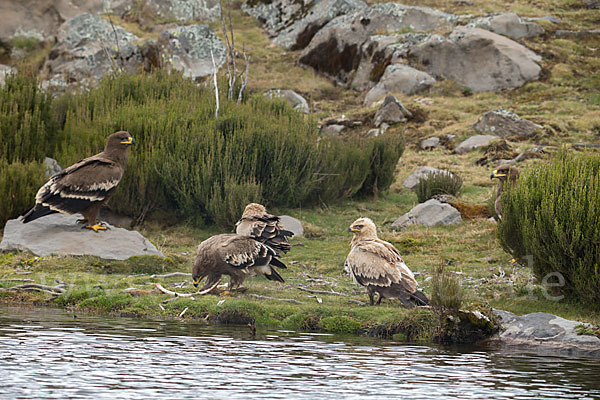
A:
[371,295]
[91,214]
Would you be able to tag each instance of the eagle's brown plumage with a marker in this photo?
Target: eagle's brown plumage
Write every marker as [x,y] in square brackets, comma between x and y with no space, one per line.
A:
[84,186]
[264,227]
[377,265]
[504,173]
[237,256]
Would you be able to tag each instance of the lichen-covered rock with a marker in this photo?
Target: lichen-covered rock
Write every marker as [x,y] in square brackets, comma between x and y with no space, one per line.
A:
[188,49]
[88,48]
[399,78]
[505,123]
[474,142]
[296,101]
[509,24]
[60,234]
[51,167]
[186,10]
[478,59]
[335,50]
[430,213]
[391,112]
[419,173]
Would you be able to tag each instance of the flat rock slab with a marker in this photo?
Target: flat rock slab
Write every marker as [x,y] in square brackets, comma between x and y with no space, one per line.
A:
[504,123]
[430,213]
[61,235]
[546,331]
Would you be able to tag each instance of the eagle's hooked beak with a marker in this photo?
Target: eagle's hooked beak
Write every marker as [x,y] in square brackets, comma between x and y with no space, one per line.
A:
[129,140]
[197,281]
[351,229]
[495,174]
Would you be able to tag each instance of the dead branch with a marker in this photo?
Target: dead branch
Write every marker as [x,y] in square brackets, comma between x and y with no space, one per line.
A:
[257,296]
[322,292]
[245,80]
[171,274]
[215,82]
[17,280]
[183,312]
[361,303]
[201,292]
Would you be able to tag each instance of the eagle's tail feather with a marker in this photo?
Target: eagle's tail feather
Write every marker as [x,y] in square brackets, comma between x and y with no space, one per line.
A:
[274,276]
[37,212]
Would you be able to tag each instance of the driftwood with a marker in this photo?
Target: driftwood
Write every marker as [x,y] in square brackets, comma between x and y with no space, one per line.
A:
[257,296]
[171,274]
[37,288]
[322,292]
[201,292]
[17,280]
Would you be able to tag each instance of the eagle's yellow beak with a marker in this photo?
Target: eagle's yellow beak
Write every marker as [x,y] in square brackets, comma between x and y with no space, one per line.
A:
[351,229]
[196,281]
[129,140]
[495,174]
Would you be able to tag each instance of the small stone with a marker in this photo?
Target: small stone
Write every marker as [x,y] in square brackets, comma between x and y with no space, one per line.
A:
[430,213]
[391,112]
[474,142]
[430,143]
[332,130]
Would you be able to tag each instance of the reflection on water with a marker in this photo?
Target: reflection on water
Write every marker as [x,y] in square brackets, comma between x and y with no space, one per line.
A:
[47,353]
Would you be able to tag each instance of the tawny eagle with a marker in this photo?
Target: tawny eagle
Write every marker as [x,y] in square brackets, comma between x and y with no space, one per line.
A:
[85,186]
[264,227]
[504,173]
[377,265]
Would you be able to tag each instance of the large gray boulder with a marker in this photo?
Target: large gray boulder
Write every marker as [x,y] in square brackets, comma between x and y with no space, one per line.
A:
[430,213]
[188,49]
[399,78]
[479,59]
[61,235]
[292,224]
[88,48]
[474,142]
[336,49]
[419,173]
[510,25]
[505,123]
[546,332]
[296,101]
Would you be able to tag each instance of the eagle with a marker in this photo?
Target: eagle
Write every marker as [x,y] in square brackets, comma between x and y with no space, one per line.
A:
[84,186]
[377,265]
[264,227]
[503,173]
[237,256]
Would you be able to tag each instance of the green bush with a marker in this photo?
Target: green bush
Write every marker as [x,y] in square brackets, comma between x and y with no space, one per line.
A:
[435,183]
[446,293]
[384,153]
[552,217]
[19,183]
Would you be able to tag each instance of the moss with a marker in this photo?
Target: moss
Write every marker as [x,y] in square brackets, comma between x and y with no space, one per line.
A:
[76,296]
[339,324]
[107,302]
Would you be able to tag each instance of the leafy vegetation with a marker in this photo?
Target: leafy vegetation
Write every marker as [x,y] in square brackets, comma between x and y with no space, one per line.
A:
[435,183]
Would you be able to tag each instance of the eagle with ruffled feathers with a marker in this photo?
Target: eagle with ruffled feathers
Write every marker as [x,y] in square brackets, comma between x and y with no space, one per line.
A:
[84,186]
[377,265]
[257,223]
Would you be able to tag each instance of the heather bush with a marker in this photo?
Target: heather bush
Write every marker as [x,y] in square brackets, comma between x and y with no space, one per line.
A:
[552,217]
[18,184]
[435,183]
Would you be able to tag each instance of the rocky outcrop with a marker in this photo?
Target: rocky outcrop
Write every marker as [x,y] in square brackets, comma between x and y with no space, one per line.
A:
[545,332]
[478,59]
[510,25]
[399,78]
[505,123]
[188,49]
[184,10]
[474,142]
[391,112]
[336,49]
[430,213]
[419,173]
[60,234]
[88,48]
[296,101]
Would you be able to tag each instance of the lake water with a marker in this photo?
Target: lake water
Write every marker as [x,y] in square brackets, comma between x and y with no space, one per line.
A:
[48,353]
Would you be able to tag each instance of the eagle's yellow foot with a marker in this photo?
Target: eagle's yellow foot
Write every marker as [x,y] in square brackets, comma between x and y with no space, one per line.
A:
[224,293]
[97,227]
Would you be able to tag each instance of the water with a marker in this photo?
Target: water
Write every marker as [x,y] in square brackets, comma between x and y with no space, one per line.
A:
[47,353]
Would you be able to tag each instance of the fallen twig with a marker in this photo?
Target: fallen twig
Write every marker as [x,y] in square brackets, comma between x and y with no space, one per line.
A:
[183,312]
[171,274]
[274,298]
[201,292]
[17,280]
[322,292]
[362,303]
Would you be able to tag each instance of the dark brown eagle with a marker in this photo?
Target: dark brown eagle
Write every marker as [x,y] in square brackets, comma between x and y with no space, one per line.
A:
[377,265]
[503,173]
[237,256]
[264,227]
[85,186]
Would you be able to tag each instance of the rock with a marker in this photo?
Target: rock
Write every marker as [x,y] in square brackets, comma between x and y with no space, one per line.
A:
[391,112]
[374,132]
[335,50]
[591,4]
[430,213]
[478,59]
[188,49]
[510,25]
[506,123]
[419,173]
[5,70]
[474,142]
[332,129]
[185,10]
[576,34]
[546,332]
[297,102]
[399,78]
[52,167]
[60,234]
[292,224]
[293,24]
[86,51]
[549,18]
[430,143]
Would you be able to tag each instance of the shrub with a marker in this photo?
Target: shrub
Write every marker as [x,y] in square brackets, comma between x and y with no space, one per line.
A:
[435,183]
[446,293]
[553,217]
[19,183]
[384,152]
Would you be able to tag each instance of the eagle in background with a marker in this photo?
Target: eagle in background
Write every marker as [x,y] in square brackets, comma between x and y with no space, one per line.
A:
[264,227]
[377,265]
[84,186]
[503,173]
[237,256]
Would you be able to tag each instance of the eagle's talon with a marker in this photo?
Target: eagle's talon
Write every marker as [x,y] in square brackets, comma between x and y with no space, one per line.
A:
[97,227]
